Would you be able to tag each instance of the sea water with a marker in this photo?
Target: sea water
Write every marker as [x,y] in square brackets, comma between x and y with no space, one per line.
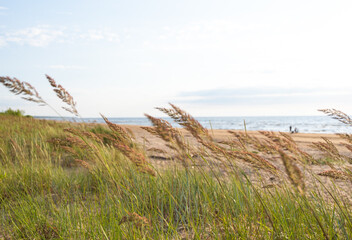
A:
[304,124]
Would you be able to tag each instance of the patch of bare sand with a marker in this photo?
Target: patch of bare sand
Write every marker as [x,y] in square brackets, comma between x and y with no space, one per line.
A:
[257,176]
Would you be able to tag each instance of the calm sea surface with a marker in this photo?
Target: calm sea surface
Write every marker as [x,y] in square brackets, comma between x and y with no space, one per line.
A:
[304,124]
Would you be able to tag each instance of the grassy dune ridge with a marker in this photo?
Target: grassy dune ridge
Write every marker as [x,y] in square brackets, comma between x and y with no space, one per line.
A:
[81,181]
[62,180]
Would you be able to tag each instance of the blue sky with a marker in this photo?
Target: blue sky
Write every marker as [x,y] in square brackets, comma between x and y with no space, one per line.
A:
[212,58]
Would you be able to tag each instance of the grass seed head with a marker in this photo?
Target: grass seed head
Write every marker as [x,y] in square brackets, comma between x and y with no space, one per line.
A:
[294,173]
[64,95]
[336,174]
[25,89]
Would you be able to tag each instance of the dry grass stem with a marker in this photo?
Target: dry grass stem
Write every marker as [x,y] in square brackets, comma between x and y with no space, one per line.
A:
[187,121]
[136,157]
[23,88]
[64,95]
[338,115]
[124,142]
[345,136]
[329,150]
[173,138]
[163,129]
[121,134]
[294,173]
[336,174]
[284,142]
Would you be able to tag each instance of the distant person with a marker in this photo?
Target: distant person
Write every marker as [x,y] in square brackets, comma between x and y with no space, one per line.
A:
[296,130]
[291,129]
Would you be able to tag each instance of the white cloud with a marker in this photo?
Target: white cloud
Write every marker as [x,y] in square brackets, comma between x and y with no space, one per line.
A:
[3,8]
[67,67]
[43,35]
[39,36]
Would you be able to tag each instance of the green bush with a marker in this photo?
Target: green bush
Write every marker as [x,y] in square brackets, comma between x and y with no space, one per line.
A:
[10,112]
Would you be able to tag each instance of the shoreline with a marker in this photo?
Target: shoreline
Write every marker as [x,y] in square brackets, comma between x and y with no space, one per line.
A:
[309,125]
[303,140]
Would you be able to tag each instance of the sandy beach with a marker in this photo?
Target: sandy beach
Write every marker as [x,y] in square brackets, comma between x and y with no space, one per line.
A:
[304,140]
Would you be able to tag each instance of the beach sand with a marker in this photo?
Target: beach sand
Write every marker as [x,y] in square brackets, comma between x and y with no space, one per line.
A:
[304,140]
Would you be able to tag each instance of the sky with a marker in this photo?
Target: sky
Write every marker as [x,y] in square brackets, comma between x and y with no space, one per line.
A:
[211,58]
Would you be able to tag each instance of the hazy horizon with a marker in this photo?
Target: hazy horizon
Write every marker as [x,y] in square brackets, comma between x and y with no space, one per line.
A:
[228,58]
[303,124]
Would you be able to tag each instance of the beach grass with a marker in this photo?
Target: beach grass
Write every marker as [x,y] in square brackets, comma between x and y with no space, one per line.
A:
[92,182]
[64,180]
